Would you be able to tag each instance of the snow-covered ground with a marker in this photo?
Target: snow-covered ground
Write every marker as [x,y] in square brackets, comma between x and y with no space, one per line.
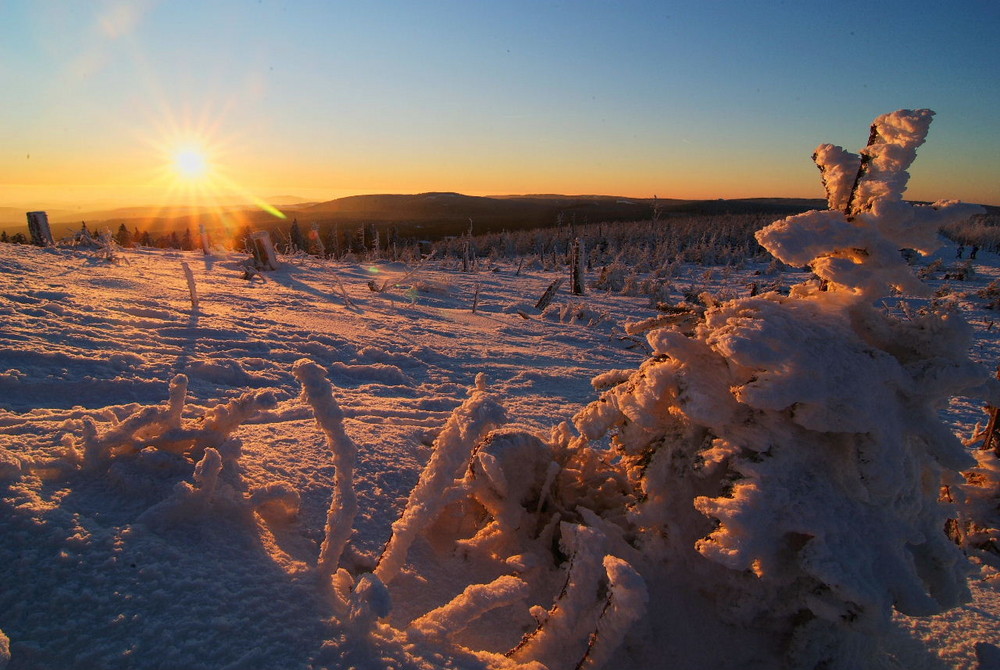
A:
[99,570]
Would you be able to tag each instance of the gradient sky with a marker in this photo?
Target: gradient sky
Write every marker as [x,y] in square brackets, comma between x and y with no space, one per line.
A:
[692,99]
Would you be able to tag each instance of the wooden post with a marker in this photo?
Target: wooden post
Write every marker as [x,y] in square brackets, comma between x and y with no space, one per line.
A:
[263,250]
[38,228]
[549,294]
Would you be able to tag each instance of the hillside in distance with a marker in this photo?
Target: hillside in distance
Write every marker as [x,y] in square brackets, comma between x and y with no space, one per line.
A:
[435,215]
[415,216]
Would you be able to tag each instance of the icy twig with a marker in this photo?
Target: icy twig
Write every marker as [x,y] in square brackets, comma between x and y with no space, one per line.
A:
[142,427]
[452,451]
[343,291]
[317,392]
[559,638]
[224,419]
[389,283]
[191,287]
[472,603]
[625,604]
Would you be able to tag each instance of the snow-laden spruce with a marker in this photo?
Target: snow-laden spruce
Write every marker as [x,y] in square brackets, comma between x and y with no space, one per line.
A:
[793,441]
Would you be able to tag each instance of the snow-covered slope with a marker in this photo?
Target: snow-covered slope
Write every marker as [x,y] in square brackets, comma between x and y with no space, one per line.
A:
[130,566]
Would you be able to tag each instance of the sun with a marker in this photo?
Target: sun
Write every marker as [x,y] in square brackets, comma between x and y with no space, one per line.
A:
[193,166]
[190,163]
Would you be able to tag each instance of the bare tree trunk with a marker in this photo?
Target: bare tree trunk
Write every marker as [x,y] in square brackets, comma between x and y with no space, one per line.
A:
[578,288]
[549,294]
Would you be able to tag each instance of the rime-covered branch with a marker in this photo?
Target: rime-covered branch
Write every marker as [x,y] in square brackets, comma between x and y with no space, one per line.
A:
[452,450]
[472,603]
[317,392]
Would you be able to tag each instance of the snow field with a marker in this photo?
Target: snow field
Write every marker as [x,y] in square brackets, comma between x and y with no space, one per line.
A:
[239,591]
[287,476]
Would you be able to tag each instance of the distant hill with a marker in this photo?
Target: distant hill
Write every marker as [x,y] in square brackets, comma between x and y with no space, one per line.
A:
[415,216]
[433,215]
[438,214]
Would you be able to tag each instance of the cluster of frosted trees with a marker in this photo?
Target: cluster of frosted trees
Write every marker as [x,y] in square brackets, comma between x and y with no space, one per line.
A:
[648,246]
[982,231]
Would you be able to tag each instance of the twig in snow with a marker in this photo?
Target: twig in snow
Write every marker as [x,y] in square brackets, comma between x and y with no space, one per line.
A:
[452,451]
[317,392]
[190,282]
[343,291]
[388,284]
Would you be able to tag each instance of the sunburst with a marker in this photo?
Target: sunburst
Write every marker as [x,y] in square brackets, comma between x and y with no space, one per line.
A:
[190,162]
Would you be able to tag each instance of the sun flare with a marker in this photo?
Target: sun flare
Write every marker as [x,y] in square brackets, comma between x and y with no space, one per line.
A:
[194,166]
[190,163]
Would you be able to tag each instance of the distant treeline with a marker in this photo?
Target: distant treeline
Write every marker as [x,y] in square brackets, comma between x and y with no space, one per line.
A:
[423,217]
[123,237]
[663,238]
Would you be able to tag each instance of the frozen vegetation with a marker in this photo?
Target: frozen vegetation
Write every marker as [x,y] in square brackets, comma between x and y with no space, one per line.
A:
[756,458]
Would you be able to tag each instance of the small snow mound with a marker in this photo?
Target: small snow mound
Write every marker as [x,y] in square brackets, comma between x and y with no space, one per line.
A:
[125,361]
[226,371]
[378,373]
[276,502]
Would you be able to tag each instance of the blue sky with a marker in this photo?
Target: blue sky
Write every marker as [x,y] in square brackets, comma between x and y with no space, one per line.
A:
[679,99]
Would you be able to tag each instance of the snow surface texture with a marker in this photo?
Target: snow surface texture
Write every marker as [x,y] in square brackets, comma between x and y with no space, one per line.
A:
[303,473]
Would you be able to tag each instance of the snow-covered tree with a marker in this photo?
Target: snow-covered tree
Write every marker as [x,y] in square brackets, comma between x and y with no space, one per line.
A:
[787,453]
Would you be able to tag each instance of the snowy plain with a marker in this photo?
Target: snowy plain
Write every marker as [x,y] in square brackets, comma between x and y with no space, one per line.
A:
[91,576]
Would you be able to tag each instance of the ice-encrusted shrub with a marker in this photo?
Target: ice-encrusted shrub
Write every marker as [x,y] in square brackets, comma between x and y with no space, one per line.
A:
[184,466]
[611,277]
[652,287]
[574,313]
[162,428]
[787,451]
